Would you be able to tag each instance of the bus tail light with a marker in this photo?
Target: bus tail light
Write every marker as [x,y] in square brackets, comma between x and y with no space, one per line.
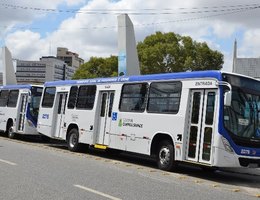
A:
[227,146]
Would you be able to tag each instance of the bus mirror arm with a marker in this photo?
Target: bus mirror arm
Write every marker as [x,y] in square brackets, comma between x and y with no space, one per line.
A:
[29,99]
[227,92]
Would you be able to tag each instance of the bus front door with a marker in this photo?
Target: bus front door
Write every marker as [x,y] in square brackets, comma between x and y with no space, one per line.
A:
[201,125]
[104,122]
[61,100]
[22,113]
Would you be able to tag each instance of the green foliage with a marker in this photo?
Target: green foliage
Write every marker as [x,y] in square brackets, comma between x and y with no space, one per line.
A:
[97,67]
[170,52]
[159,53]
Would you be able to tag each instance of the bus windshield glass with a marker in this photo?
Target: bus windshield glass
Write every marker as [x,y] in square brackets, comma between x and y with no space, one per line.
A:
[36,94]
[242,118]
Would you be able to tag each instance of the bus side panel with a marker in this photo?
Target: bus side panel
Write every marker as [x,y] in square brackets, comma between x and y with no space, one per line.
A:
[85,121]
[140,129]
[5,114]
[46,121]
[134,131]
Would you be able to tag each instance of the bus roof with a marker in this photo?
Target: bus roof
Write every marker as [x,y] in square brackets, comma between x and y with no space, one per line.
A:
[151,77]
[25,86]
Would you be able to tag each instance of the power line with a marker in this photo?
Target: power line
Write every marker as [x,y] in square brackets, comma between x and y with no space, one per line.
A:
[229,12]
[201,17]
[145,11]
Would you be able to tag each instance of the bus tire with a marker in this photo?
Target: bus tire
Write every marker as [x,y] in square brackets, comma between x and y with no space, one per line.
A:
[10,131]
[165,156]
[73,140]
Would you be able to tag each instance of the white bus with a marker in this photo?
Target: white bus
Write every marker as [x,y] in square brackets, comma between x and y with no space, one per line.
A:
[19,107]
[209,118]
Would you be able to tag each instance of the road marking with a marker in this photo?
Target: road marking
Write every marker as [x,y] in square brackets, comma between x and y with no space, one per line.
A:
[7,162]
[97,192]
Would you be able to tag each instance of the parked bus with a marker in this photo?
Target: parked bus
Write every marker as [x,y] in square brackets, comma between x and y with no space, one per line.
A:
[208,118]
[19,108]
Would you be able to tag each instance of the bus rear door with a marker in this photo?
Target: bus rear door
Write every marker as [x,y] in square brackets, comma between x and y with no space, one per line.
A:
[22,112]
[61,100]
[201,125]
[104,121]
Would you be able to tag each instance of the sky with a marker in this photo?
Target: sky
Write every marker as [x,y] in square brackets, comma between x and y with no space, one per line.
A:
[32,29]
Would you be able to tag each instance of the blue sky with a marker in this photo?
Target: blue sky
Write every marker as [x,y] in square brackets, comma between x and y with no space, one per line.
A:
[30,31]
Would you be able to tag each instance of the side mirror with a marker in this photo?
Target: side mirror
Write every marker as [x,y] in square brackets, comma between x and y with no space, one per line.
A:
[227,92]
[227,98]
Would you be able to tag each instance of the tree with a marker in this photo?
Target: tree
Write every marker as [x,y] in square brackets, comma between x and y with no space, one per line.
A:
[159,53]
[97,67]
[170,52]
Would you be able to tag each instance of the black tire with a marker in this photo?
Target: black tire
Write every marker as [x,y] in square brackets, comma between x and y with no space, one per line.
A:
[10,130]
[73,140]
[165,156]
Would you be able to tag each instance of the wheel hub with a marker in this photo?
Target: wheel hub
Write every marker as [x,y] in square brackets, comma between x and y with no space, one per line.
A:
[73,140]
[164,155]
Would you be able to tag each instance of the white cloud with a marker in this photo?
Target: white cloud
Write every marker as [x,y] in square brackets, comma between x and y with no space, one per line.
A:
[96,35]
[250,46]
[27,43]
[74,2]
[223,29]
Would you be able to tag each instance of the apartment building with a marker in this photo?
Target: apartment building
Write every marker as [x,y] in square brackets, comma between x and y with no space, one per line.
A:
[70,58]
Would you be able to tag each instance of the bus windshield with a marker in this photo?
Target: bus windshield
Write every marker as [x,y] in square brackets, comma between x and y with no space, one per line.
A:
[36,94]
[242,118]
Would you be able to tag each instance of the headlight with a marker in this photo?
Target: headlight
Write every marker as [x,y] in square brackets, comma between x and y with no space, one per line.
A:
[227,146]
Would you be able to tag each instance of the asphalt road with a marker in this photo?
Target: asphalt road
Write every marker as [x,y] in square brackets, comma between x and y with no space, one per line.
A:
[33,170]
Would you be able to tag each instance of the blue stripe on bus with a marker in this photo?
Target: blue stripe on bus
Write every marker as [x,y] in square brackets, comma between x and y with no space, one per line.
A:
[8,87]
[165,76]
[29,116]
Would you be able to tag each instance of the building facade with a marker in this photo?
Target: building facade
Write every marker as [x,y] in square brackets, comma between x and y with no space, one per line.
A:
[48,68]
[37,72]
[246,66]
[70,58]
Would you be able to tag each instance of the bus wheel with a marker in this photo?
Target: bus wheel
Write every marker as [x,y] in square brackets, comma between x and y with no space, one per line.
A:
[165,156]
[73,140]
[10,131]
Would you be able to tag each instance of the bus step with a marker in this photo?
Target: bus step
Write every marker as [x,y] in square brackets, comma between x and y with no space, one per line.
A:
[100,146]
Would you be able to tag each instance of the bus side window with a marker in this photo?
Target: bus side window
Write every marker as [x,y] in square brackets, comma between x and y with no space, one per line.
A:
[3,98]
[133,97]
[86,97]
[48,97]
[72,97]
[164,97]
[12,98]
